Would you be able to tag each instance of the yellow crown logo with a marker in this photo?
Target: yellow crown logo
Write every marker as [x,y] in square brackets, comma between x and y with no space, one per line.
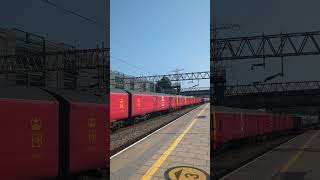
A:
[37,140]
[92,136]
[162,101]
[121,103]
[36,124]
[92,121]
[138,102]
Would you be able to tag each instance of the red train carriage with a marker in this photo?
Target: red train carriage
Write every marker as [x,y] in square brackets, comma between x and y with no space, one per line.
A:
[84,136]
[232,124]
[126,105]
[119,105]
[142,103]
[250,124]
[264,125]
[29,134]
[181,101]
[52,133]
[189,101]
[162,102]
[145,103]
[174,102]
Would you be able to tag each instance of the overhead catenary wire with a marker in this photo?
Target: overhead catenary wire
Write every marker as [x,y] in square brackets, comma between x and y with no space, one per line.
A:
[75,14]
[131,65]
[128,72]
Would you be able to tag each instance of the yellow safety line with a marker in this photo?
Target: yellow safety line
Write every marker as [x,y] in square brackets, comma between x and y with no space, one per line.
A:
[298,154]
[153,169]
[214,120]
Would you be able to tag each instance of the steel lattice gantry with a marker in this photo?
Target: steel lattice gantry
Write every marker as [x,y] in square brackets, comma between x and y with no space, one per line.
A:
[274,95]
[82,69]
[171,77]
[55,61]
[195,89]
[272,88]
[264,46]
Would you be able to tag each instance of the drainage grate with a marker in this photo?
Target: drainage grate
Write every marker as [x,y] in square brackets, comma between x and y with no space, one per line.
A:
[201,117]
[290,176]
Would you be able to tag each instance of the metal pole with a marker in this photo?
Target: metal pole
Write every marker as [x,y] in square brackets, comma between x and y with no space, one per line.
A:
[106,43]
[282,73]
[215,63]
[44,62]
[264,59]
[123,83]
[281,56]
[107,12]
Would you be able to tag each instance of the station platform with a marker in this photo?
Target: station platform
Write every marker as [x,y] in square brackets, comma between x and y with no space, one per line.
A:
[297,159]
[179,149]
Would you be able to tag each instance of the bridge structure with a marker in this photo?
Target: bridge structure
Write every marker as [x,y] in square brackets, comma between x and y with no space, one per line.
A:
[269,95]
[171,77]
[267,46]
[196,91]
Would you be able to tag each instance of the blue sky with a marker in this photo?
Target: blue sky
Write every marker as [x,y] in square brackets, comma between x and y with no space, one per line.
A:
[155,37]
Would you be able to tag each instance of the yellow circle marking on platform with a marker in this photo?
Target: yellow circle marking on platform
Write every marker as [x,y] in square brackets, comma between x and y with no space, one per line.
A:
[186,173]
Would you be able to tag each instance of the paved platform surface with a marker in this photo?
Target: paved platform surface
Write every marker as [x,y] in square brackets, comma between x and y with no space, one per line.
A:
[184,142]
[298,159]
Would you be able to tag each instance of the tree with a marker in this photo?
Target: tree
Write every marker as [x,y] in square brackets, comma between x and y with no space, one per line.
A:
[164,83]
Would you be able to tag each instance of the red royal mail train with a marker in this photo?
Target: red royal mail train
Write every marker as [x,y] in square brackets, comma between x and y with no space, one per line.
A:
[233,124]
[127,105]
[52,133]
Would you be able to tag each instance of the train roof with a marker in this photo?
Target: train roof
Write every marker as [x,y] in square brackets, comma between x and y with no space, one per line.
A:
[138,92]
[19,92]
[233,109]
[141,92]
[80,96]
[148,93]
[118,90]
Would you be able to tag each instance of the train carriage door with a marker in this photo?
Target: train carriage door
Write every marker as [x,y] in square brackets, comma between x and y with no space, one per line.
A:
[162,102]
[138,103]
[154,103]
[177,102]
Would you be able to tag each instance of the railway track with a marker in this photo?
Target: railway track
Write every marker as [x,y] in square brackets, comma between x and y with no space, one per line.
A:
[239,155]
[126,136]
[226,162]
